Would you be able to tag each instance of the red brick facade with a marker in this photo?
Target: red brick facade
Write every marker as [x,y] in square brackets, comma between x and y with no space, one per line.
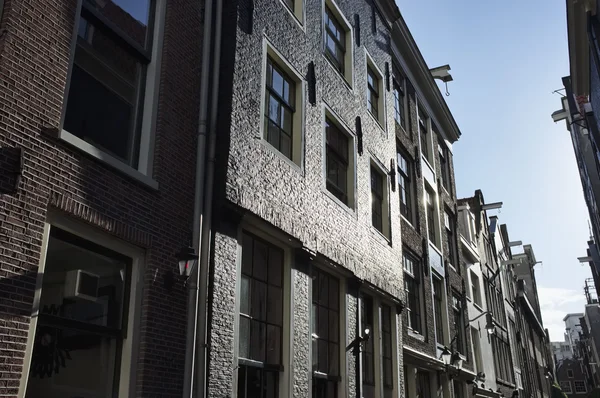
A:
[35,51]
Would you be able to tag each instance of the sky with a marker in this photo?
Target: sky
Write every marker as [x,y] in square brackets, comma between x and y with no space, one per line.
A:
[507,57]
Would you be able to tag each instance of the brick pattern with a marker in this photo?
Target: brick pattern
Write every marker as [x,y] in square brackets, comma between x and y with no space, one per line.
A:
[34,61]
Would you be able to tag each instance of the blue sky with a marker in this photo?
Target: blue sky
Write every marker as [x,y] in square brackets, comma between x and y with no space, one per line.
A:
[507,57]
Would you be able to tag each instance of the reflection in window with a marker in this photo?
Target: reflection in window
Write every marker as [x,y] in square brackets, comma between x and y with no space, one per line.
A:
[335,41]
[337,161]
[79,333]
[279,109]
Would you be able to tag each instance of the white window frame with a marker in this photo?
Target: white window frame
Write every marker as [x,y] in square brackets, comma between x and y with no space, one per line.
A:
[298,126]
[436,216]
[476,349]
[475,282]
[348,75]
[148,107]
[385,211]
[298,13]
[564,385]
[570,373]
[404,103]
[414,333]
[130,343]
[378,346]
[582,382]
[285,384]
[422,114]
[444,314]
[329,113]
[381,118]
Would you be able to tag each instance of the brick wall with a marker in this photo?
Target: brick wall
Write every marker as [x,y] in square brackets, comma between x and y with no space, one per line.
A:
[34,60]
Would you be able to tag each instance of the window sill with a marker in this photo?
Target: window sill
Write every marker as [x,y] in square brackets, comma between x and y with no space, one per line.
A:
[347,84]
[434,247]
[287,160]
[409,223]
[350,210]
[478,306]
[380,234]
[107,159]
[505,383]
[401,127]
[446,190]
[377,121]
[426,161]
[415,335]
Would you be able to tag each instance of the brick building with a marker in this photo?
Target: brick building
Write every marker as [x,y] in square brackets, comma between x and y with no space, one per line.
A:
[98,127]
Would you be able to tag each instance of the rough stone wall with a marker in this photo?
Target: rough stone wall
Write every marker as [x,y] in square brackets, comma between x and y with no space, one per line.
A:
[35,42]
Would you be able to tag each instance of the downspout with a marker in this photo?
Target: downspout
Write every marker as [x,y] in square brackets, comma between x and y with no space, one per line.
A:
[201,369]
[195,277]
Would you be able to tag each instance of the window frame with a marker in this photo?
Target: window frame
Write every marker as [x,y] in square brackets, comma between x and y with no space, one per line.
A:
[146,106]
[408,176]
[475,292]
[347,74]
[381,116]
[298,118]
[400,101]
[444,158]
[459,329]
[126,374]
[438,308]
[565,383]
[451,240]
[570,374]
[385,230]
[275,241]
[476,343]
[580,382]
[350,204]
[425,134]
[296,9]
[417,278]
[340,380]
[432,216]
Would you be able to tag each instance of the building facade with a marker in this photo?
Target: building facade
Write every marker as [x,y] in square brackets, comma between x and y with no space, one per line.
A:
[572,378]
[95,199]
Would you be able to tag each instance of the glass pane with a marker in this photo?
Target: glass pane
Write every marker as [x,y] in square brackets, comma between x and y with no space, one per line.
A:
[100,109]
[244,337]
[334,293]
[271,384]
[287,119]
[261,253]
[273,110]
[259,300]
[247,244]
[286,91]
[323,290]
[323,328]
[277,82]
[245,297]
[315,287]
[286,146]
[69,360]
[131,16]
[257,341]
[323,365]
[275,266]
[273,135]
[253,382]
[273,344]
[334,359]
[275,305]
[241,386]
[82,284]
[334,333]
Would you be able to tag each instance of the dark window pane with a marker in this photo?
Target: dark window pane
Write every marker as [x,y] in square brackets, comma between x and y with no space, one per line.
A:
[275,305]
[260,260]
[259,300]
[323,353]
[334,293]
[323,330]
[258,336]
[334,359]
[323,290]
[245,291]
[334,333]
[273,344]
[275,267]
[247,246]
[244,337]
[131,16]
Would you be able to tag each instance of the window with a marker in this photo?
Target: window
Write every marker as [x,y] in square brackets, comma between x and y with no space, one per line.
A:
[405,185]
[580,387]
[337,154]
[296,8]
[423,384]
[107,82]
[84,311]
[373,92]
[444,167]
[387,348]
[325,334]
[569,372]
[424,134]
[337,37]
[261,319]
[502,358]
[458,389]
[368,352]
[459,323]
[431,219]
[566,387]
[399,101]
[476,349]
[335,40]
[279,109]
[379,210]
[451,239]
[412,289]
[475,289]
[438,305]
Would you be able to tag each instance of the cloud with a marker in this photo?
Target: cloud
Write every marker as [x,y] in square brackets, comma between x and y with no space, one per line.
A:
[555,303]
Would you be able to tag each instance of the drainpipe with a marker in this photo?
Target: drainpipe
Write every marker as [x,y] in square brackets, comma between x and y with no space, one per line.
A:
[204,260]
[195,277]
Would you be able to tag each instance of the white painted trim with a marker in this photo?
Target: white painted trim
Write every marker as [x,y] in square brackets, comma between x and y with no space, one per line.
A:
[348,75]
[298,13]
[382,114]
[299,118]
[106,158]
[129,350]
[386,220]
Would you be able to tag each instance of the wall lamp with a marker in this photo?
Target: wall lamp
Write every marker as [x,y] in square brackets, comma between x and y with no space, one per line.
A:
[187,260]
[355,345]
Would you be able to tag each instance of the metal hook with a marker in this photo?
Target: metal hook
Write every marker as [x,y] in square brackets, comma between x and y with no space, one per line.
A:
[447,93]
